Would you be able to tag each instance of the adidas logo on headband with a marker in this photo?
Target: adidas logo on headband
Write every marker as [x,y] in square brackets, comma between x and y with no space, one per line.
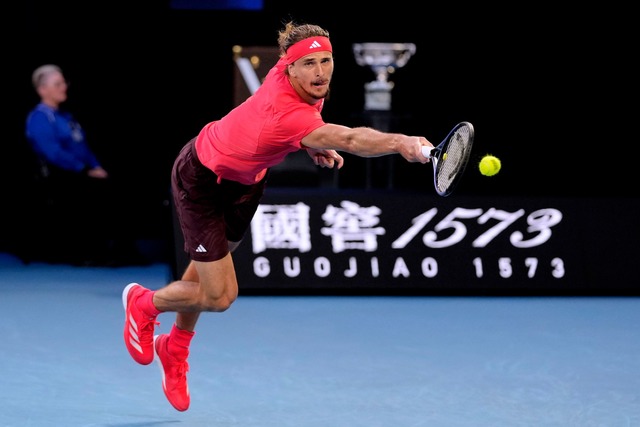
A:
[301,48]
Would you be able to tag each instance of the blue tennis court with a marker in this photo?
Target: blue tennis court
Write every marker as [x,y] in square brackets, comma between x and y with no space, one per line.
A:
[317,361]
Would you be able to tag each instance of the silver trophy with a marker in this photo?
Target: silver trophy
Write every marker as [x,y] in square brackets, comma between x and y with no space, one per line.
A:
[383,59]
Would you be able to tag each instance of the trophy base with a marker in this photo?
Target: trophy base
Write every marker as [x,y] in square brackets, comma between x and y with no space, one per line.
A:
[379,101]
[377,96]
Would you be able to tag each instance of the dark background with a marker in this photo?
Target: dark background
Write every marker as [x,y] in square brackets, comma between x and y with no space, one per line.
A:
[548,91]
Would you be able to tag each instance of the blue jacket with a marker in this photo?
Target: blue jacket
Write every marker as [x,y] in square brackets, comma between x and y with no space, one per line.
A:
[57,138]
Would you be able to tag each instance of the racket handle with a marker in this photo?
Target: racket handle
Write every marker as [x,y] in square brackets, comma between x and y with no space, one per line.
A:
[426,151]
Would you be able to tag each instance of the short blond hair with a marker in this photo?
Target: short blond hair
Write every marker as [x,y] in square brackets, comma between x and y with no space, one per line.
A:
[41,73]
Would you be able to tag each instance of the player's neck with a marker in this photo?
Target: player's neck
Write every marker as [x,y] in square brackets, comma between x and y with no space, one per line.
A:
[302,93]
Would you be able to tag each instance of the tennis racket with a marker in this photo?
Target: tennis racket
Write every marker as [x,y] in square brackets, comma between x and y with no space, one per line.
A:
[450,157]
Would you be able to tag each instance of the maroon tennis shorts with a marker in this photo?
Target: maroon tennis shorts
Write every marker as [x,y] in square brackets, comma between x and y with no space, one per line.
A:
[210,213]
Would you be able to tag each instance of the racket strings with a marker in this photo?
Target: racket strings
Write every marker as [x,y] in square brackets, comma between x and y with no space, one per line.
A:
[453,159]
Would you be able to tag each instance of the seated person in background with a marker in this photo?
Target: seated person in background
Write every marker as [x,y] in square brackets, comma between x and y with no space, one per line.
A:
[78,226]
[55,136]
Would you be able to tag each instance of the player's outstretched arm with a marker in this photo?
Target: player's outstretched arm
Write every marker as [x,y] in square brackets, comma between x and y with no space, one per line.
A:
[366,142]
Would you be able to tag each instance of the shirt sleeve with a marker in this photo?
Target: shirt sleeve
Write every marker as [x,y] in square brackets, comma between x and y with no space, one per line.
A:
[300,122]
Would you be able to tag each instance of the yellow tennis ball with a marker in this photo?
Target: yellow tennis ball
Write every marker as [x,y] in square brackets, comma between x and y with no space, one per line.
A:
[489,165]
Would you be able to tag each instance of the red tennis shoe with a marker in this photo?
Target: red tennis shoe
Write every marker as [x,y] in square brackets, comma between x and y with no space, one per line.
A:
[174,374]
[138,326]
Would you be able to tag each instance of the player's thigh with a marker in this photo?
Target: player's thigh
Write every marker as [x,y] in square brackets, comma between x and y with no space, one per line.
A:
[218,277]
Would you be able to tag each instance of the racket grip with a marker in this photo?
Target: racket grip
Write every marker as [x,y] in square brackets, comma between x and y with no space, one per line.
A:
[426,151]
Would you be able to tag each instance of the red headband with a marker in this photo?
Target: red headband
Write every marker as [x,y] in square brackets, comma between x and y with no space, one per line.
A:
[307,46]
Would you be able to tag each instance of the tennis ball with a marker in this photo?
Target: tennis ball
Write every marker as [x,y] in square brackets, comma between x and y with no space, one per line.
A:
[489,165]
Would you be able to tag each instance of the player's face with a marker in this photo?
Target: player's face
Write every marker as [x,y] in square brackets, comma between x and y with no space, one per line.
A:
[311,76]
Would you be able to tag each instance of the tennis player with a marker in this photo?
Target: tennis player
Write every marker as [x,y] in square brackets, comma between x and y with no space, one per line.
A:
[218,180]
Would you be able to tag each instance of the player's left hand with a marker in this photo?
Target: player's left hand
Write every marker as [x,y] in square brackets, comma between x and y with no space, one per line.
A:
[326,158]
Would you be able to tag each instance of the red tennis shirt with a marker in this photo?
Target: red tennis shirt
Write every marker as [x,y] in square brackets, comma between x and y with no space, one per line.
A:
[260,132]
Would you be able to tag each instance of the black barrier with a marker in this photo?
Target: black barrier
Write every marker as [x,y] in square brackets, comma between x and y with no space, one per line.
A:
[378,242]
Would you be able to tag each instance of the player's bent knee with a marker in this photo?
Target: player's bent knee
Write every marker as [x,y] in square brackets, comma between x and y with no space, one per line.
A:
[219,303]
